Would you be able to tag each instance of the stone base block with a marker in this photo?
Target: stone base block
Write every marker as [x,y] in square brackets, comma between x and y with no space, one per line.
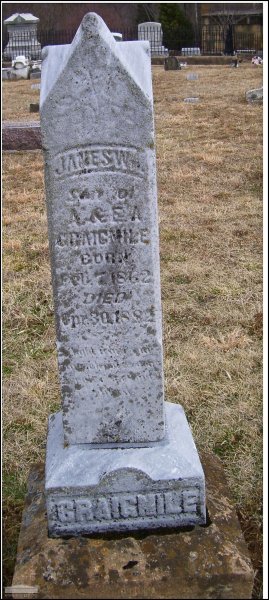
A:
[209,561]
[92,490]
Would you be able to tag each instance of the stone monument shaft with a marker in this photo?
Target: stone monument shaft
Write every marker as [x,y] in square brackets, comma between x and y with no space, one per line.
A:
[118,457]
[98,138]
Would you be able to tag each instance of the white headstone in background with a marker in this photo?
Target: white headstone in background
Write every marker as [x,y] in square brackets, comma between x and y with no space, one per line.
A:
[20,68]
[118,457]
[22,30]
[152,32]
[20,62]
[190,51]
[192,76]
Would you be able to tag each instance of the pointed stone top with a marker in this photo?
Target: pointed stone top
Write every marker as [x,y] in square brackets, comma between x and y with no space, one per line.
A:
[93,33]
[21,18]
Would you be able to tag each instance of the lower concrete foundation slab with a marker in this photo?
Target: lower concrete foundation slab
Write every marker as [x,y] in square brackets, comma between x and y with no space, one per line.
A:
[209,561]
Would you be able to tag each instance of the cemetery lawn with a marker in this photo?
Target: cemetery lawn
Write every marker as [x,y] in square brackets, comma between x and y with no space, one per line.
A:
[209,165]
[17,97]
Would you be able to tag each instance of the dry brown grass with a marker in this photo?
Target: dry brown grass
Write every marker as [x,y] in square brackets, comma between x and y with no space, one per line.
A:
[210,204]
[17,96]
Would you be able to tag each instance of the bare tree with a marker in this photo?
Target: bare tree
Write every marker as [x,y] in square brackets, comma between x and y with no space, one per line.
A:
[226,14]
[151,10]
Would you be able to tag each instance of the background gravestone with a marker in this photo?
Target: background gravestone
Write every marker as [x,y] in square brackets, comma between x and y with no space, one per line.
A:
[255,96]
[118,457]
[171,63]
[152,32]
[192,76]
[22,30]
[190,51]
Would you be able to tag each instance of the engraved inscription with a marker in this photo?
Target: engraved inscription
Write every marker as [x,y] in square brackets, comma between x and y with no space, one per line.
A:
[126,506]
[88,352]
[121,277]
[107,297]
[103,229]
[97,214]
[102,237]
[80,196]
[92,159]
[108,317]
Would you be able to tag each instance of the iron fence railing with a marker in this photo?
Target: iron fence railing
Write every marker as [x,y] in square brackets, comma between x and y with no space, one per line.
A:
[211,40]
[229,40]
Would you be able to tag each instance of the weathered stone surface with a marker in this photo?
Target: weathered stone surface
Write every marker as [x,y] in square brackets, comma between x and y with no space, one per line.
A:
[196,562]
[124,489]
[171,63]
[98,136]
[255,95]
[21,136]
[117,457]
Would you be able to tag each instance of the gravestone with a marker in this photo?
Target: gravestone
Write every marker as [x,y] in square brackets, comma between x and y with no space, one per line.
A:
[192,100]
[20,62]
[24,135]
[171,63]
[190,51]
[22,31]
[255,96]
[34,107]
[152,32]
[192,76]
[35,74]
[15,74]
[118,456]
[20,68]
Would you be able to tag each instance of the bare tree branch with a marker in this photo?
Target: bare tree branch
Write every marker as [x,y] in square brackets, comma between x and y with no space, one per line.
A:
[225,15]
[151,10]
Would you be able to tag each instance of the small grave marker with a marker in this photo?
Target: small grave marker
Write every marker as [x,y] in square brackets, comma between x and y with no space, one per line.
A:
[171,63]
[192,76]
[34,107]
[192,100]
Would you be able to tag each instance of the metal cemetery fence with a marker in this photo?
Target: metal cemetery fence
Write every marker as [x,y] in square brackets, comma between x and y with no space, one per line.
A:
[211,40]
[229,40]
[25,40]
